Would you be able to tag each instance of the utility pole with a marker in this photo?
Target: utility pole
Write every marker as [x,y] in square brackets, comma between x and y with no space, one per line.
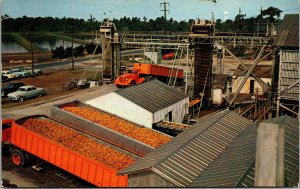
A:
[260,20]
[241,18]
[165,13]
[92,25]
[30,36]
[72,30]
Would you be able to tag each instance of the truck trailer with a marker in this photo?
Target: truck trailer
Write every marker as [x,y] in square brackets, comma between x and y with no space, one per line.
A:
[47,139]
[142,72]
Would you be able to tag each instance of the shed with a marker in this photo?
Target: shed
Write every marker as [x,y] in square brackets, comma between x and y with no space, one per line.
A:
[252,86]
[145,104]
[285,72]
[219,151]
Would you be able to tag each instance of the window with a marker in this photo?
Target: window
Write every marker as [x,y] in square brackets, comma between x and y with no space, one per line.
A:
[21,89]
[170,116]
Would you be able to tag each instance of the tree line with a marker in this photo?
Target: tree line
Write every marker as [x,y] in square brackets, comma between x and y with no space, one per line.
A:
[50,24]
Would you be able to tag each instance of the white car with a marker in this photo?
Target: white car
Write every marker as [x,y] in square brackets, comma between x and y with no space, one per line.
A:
[20,73]
[36,71]
[8,74]
[26,92]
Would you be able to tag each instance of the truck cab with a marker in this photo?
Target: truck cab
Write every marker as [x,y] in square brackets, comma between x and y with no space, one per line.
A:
[130,77]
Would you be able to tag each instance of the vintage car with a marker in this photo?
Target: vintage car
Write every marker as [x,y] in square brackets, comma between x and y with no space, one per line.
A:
[20,73]
[36,71]
[8,74]
[26,92]
[11,87]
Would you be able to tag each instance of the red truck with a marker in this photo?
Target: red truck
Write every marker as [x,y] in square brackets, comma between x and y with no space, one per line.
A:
[142,72]
[169,56]
[30,138]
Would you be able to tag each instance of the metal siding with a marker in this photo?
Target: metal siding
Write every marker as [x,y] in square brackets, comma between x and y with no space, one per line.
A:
[147,179]
[124,108]
[289,74]
[177,112]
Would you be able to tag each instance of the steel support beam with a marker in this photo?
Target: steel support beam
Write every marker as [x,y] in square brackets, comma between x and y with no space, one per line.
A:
[260,81]
[248,74]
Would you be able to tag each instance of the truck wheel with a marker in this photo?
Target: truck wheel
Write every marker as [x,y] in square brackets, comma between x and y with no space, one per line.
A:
[132,83]
[18,158]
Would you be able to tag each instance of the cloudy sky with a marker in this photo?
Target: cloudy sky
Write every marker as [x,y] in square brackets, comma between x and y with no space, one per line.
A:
[179,9]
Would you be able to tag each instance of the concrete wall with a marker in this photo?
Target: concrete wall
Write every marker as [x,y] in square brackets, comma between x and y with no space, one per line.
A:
[269,161]
[178,111]
[116,104]
[147,179]
[258,90]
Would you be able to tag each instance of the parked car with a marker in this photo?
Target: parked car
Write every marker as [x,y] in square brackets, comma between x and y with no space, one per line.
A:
[26,92]
[20,73]
[8,74]
[11,87]
[3,77]
[36,71]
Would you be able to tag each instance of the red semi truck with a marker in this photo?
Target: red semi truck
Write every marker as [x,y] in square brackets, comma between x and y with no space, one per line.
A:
[51,145]
[142,72]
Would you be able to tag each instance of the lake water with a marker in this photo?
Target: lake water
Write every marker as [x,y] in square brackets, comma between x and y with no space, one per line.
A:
[52,44]
[8,45]
[12,47]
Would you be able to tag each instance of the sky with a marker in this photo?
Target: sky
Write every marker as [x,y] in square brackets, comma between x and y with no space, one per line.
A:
[178,9]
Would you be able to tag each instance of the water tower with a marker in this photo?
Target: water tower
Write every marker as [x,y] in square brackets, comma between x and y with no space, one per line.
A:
[225,16]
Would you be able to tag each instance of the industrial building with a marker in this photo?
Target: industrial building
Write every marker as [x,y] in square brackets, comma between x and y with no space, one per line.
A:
[145,104]
[251,86]
[285,74]
[219,151]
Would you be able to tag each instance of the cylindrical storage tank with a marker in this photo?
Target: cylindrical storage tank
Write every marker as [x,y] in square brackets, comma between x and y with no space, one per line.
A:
[217,96]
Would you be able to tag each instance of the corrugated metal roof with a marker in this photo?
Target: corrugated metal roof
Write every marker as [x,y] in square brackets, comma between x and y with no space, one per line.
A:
[261,71]
[185,157]
[203,156]
[291,156]
[227,169]
[152,95]
[288,33]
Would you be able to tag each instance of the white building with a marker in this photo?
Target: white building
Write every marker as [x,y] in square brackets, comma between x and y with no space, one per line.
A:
[145,104]
[251,86]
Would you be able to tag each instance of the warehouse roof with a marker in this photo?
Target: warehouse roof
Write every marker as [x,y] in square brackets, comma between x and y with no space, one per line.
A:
[261,71]
[218,152]
[183,159]
[288,33]
[152,95]
[291,156]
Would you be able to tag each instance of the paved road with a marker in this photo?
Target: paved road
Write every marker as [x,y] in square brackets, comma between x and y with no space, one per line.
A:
[50,65]
[44,107]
